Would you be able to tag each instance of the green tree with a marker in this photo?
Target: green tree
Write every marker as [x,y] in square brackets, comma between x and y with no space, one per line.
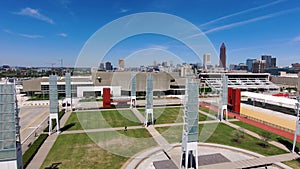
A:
[238,134]
[265,138]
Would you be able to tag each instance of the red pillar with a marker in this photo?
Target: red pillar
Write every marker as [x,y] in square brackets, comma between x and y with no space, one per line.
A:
[106,98]
[236,93]
[229,104]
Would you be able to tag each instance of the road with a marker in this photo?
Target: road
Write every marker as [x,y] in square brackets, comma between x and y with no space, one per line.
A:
[31,119]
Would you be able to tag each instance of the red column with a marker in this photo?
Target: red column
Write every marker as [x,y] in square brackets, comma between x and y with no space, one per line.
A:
[106,98]
[229,104]
[236,100]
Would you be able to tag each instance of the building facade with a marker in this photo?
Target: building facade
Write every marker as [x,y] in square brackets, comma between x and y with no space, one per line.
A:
[223,56]
[249,63]
[258,66]
[108,66]
[121,64]
[206,61]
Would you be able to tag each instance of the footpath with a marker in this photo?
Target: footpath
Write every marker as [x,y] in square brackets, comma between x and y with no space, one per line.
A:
[41,155]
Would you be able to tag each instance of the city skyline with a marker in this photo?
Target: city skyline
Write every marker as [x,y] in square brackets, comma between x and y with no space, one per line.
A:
[38,33]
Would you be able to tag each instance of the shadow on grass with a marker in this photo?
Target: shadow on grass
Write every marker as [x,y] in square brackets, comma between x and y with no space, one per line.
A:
[263,145]
[287,144]
[54,166]
[68,126]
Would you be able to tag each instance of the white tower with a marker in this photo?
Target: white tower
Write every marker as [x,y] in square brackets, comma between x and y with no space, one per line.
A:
[297,130]
[189,156]
[53,97]
[223,99]
[10,142]
[68,99]
[149,101]
[133,91]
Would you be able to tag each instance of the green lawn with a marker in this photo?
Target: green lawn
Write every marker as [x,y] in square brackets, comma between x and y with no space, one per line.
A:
[295,164]
[220,134]
[166,115]
[101,119]
[81,150]
[203,117]
[206,110]
[211,112]
[286,142]
[73,123]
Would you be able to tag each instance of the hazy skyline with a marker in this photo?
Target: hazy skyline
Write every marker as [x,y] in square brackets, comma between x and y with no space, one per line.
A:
[39,33]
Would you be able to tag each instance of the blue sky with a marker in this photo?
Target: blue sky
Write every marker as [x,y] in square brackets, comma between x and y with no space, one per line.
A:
[39,33]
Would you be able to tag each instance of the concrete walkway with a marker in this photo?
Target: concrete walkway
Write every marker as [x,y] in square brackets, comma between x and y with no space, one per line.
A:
[145,159]
[41,155]
[161,141]
[207,114]
[138,115]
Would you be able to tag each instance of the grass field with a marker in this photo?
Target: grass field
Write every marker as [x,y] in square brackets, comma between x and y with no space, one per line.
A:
[208,111]
[166,115]
[81,151]
[211,112]
[203,117]
[222,135]
[286,142]
[103,119]
[112,149]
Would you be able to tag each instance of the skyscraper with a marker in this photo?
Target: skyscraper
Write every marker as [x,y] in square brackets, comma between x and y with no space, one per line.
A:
[267,58]
[108,66]
[121,64]
[258,66]
[206,60]
[273,63]
[223,56]
[249,63]
[101,66]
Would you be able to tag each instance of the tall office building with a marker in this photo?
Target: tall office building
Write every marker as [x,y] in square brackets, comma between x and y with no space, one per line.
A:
[108,66]
[223,56]
[121,64]
[273,63]
[164,64]
[270,62]
[249,63]
[258,66]
[267,58]
[101,66]
[206,60]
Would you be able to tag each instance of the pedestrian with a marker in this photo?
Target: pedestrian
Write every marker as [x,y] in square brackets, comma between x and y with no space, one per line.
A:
[125,128]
